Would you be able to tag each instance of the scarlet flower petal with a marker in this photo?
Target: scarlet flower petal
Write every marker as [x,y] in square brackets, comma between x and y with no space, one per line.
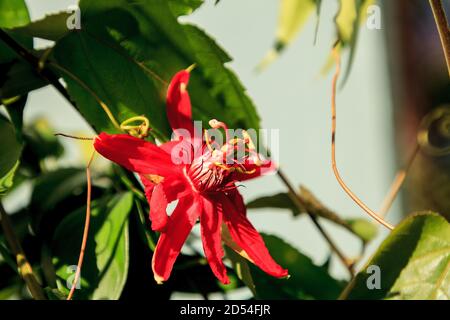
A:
[246,236]
[160,194]
[135,154]
[158,206]
[179,111]
[173,237]
[210,223]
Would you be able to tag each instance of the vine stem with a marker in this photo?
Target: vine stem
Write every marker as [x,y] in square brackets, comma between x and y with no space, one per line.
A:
[352,195]
[300,205]
[443,28]
[24,267]
[86,229]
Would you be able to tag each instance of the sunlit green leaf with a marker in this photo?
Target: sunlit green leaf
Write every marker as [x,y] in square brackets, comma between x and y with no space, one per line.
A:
[13,13]
[414,262]
[121,39]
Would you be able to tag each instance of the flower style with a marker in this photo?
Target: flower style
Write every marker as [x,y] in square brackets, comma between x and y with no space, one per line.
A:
[204,187]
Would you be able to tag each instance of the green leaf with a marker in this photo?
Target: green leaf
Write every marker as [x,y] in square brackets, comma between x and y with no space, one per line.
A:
[111,73]
[351,14]
[13,13]
[54,294]
[6,256]
[128,53]
[41,141]
[11,149]
[6,182]
[17,78]
[10,292]
[176,7]
[241,268]
[52,189]
[414,261]
[105,266]
[306,281]
[15,110]
[280,201]
[364,229]
[295,13]
[293,16]
[51,27]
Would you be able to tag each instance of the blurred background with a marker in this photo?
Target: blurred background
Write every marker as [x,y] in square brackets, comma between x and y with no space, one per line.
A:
[393,83]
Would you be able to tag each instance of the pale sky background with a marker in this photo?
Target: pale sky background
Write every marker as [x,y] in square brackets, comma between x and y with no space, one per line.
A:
[293,97]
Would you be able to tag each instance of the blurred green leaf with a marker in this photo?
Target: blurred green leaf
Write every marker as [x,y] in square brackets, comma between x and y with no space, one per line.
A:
[345,19]
[6,256]
[13,13]
[118,39]
[15,110]
[11,149]
[10,146]
[306,281]
[364,229]
[105,265]
[54,294]
[6,182]
[414,262]
[351,15]
[52,189]
[241,268]
[293,15]
[8,292]
[41,140]
[280,200]
[56,186]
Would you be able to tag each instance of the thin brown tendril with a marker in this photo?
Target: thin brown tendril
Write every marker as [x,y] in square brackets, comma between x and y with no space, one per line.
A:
[86,229]
[370,212]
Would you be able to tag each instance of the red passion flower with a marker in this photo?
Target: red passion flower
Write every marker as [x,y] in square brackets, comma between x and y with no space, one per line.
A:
[205,188]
